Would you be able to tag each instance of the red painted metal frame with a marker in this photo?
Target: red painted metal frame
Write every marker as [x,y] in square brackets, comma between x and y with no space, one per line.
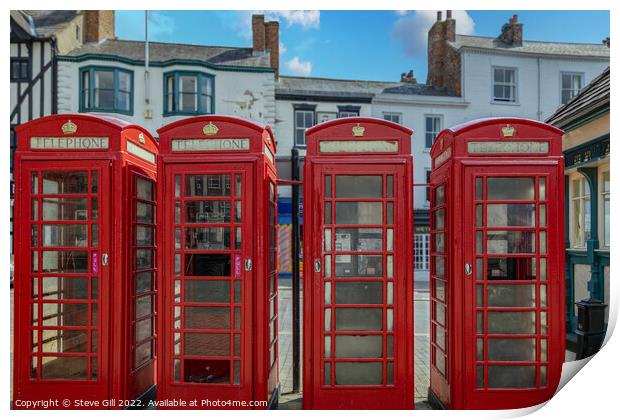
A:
[457,389]
[258,357]
[116,377]
[400,166]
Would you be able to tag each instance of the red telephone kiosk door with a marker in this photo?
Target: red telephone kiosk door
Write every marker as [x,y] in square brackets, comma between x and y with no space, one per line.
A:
[60,252]
[498,276]
[358,306]
[212,339]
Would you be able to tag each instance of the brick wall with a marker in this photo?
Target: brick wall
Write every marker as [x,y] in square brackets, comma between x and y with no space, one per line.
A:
[444,63]
[98,25]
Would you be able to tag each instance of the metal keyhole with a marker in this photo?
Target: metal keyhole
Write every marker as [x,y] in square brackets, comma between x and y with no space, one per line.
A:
[317,266]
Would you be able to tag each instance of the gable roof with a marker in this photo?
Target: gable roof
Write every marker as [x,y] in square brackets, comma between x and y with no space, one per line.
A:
[531,47]
[49,22]
[593,97]
[160,52]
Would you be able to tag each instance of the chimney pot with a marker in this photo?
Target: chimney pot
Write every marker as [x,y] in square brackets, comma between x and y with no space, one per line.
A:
[448,14]
[439,16]
[258,33]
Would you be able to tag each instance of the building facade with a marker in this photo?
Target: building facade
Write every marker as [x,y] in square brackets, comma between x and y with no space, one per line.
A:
[586,122]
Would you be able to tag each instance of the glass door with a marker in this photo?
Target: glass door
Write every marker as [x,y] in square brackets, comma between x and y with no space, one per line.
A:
[210,269]
[66,262]
[361,307]
[509,282]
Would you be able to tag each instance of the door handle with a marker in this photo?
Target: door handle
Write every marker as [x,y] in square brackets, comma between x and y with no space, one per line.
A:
[104,259]
[248,264]
[468,269]
[317,265]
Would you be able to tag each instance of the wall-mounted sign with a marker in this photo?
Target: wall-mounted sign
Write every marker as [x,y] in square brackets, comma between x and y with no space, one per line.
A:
[142,153]
[69,143]
[443,156]
[507,147]
[192,145]
[363,146]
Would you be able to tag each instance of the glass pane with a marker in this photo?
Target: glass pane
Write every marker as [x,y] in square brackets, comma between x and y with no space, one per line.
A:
[207,185]
[207,265]
[143,282]
[390,186]
[511,295]
[62,367]
[213,211]
[64,341]
[144,235]
[328,373]
[61,182]
[512,376]
[478,188]
[213,291]
[202,344]
[328,293]
[354,346]
[144,259]
[144,329]
[359,213]
[390,240]
[143,306]
[328,186]
[214,238]
[440,290]
[516,268]
[439,242]
[511,242]
[359,239]
[204,317]
[327,239]
[328,213]
[359,292]
[75,236]
[512,349]
[543,216]
[65,261]
[65,209]
[479,219]
[510,188]
[359,266]
[64,288]
[65,314]
[440,195]
[359,373]
[542,189]
[359,186]
[439,218]
[511,322]
[359,319]
[328,346]
[439,336]
[328,319]
[510,214]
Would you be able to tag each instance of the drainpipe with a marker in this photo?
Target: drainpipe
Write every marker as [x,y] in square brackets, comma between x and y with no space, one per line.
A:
[539,112]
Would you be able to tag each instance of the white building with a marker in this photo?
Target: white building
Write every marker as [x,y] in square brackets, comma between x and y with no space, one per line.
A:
[112,77]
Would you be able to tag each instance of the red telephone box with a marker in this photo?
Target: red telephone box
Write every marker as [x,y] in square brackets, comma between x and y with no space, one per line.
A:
[84,261]
[218,333]
[497,264]
[358,305]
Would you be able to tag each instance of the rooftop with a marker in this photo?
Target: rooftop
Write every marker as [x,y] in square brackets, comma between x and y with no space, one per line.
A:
[43,23]
[532,47]
[162,52]
[593,97]
[324,87]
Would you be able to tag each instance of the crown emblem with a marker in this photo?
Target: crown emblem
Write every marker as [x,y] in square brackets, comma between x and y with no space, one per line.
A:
[210,129]
[508,131]
[141,138]
[358,130]
[69,127]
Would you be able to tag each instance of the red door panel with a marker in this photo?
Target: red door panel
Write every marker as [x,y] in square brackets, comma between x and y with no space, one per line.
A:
[208,282]
[63,277]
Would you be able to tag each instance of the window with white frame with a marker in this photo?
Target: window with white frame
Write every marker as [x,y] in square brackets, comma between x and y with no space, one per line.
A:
[348,111]
[421,249]
[571,85]
[433,125]
[504,84]
[304,118]
[392,116]
[580,216]
[188,93]
[606,209]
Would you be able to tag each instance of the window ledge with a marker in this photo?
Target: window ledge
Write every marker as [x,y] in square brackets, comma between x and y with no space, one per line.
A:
[493,102]
[107,111]
[186,113]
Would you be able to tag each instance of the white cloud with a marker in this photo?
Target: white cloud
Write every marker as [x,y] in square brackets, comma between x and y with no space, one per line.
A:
[282,48]
[412,29]
[307,19]
[401,12]
[299,68]
[160,23]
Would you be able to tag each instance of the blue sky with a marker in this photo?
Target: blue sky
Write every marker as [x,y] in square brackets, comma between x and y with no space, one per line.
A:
[371,45]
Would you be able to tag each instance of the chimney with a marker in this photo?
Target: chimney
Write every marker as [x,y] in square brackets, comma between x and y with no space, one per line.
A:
[258,33]
[272,43]
[408,77]
[98,25]
[512,32]
[606,42]
[443,63]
